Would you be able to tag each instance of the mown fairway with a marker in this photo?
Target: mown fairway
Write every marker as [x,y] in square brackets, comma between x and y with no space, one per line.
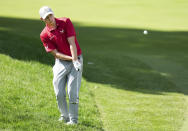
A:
[131,81]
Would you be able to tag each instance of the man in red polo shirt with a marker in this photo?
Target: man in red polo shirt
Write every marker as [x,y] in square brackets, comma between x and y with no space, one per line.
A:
[59,38]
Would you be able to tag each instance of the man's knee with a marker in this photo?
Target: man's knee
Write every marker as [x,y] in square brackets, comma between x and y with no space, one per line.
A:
[73,100]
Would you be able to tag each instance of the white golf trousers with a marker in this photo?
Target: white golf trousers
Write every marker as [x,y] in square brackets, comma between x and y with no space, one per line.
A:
[65,74]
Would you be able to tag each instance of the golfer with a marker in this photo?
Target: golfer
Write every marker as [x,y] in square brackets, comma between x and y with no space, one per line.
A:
[59,38]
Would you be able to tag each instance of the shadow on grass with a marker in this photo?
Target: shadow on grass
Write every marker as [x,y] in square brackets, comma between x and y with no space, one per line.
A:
[107,53]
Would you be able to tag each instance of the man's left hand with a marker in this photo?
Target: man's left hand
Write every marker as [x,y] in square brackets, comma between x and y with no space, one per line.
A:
[77,65]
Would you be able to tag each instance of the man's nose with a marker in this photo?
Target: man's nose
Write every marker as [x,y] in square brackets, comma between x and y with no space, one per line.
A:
[51,19]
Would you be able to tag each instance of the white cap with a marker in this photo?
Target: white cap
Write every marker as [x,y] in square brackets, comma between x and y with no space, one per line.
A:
[45,11]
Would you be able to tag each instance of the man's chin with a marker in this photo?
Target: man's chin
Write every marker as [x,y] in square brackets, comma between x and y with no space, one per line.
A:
[50,23]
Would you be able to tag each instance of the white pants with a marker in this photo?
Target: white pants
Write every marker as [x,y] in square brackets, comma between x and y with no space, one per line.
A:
[65,73]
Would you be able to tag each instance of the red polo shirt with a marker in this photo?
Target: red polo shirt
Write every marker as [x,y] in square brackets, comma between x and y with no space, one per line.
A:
[57,39]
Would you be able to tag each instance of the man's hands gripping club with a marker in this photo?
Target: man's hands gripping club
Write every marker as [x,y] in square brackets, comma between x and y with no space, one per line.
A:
[77,65]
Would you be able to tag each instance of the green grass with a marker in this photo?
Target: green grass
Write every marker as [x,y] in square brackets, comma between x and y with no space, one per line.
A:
[28,102]
[136,82]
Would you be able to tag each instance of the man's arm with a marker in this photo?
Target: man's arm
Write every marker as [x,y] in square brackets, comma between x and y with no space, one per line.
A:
[61,56]
[73,50]
[73,47]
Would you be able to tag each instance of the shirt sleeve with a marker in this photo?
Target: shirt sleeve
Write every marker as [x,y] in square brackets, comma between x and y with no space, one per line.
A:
[70,28]
[48,45]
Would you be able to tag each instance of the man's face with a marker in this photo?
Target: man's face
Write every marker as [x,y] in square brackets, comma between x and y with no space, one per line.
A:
[49,19]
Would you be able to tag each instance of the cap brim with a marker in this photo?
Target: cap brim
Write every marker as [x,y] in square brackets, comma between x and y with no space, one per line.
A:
[44,17]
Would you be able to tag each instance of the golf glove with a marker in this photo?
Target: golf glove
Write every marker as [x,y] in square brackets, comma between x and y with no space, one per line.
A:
[77,65]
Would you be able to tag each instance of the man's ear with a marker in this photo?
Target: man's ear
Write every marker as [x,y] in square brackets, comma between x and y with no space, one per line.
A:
[41,19]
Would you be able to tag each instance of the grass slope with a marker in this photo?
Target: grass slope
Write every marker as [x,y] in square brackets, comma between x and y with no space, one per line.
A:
[28,103]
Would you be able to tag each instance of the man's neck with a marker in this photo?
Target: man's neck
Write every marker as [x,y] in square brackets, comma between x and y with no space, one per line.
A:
[52,26]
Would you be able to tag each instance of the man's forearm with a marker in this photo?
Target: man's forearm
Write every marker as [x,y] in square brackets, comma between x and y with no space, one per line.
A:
[73,52]
[63,57]
[73,48]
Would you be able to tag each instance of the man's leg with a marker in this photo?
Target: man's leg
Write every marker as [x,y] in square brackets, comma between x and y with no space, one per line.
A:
[74,83]
[59,82]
